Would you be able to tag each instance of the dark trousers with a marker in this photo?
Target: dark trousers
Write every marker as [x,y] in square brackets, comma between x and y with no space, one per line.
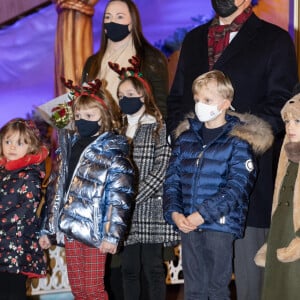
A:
[248,276]
[113,280]
[207,265]
[149,259]
[12,286]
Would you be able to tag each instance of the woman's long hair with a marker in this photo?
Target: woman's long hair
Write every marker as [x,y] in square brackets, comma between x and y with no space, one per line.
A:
[139,40]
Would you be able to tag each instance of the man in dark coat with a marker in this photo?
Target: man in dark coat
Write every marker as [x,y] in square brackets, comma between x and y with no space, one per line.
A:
[260,60]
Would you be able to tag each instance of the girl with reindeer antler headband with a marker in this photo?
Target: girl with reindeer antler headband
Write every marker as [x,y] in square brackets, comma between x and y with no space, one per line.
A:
[149,233]
[121,38]
[90,200]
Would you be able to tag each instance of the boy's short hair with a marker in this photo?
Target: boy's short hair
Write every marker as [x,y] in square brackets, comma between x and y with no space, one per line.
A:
[224,85]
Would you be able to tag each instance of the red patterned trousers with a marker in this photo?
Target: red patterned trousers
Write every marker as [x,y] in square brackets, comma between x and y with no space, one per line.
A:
[86,266]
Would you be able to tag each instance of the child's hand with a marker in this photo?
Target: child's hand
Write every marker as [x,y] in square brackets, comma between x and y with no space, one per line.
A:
[183,223]
[106,247]
[260,257]
[195,219]
[44,242]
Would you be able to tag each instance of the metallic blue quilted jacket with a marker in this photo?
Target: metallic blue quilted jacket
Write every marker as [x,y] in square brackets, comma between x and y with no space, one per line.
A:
[98,203]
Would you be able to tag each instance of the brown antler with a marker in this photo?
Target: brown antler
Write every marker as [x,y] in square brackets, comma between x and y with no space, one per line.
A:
[116,67]
[91,89]
[133,71]
[136,63]
[129,71]
[69,84]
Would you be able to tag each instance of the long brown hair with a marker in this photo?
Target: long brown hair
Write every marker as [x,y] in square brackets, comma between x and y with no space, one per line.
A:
[138,37]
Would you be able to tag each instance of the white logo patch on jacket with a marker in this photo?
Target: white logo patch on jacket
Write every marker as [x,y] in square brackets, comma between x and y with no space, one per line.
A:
[249,165]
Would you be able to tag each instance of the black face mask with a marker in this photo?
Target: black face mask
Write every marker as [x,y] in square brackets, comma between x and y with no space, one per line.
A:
[87,128]
[224,8]
[116,32]
[130,105]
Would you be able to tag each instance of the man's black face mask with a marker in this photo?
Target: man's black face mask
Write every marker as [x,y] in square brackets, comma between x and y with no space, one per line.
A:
[224,8]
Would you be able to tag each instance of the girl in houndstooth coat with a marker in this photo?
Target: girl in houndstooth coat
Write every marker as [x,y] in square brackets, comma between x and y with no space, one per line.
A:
[149,233]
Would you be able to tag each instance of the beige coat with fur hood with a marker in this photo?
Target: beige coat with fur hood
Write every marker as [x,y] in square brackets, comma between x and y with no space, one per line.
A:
[292,251]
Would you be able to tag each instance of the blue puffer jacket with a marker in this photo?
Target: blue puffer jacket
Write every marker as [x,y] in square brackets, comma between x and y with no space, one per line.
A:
[97,206]
[217,179]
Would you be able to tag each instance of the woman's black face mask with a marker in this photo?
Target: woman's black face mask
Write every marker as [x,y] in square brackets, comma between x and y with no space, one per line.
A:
[116,32]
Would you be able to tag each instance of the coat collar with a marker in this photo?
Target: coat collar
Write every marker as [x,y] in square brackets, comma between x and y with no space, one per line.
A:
[25,161]
[252,129]
[241,41]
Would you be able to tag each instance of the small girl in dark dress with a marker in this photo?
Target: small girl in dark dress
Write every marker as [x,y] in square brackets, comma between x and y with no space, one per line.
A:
[22,170]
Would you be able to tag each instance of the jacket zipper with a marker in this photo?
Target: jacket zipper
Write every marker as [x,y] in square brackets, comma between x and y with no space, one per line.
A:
[198,159]
[75,171]
[197,165]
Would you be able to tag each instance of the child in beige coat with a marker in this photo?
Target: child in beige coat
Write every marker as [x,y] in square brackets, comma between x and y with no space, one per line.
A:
[280,255]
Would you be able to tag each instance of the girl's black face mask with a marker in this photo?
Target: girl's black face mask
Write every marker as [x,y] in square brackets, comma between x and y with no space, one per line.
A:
[87,128]
[224,8]
[130,105]
[116,32]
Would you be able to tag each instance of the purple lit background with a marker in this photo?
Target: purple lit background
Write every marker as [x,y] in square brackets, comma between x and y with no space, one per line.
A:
[27,48]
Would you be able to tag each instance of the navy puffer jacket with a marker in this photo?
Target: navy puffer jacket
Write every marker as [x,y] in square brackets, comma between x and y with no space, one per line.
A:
[215,179]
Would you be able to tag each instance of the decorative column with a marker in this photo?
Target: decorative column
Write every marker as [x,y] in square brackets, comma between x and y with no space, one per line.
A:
[74,39]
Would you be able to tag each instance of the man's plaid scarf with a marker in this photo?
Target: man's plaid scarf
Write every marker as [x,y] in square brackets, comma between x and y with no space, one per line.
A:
[218,35]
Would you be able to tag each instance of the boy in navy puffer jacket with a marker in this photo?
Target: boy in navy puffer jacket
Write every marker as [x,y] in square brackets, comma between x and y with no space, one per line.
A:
[208,182]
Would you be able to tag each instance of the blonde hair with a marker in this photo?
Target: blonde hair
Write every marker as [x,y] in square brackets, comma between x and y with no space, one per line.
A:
[27,130]
[291,109]
[224,85]
[110,113]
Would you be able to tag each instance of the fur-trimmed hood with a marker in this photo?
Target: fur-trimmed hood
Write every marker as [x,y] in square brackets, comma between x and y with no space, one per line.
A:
[257,132]
[291,252]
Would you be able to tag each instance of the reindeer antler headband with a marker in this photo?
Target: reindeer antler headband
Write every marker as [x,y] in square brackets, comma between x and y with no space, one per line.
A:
[133,71]
[62,113]
[91,89]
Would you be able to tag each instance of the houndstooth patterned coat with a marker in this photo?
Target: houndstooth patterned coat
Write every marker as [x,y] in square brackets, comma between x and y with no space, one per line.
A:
[151,155]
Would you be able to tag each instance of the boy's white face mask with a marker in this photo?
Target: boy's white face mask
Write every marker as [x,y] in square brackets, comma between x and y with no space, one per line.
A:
[206,112]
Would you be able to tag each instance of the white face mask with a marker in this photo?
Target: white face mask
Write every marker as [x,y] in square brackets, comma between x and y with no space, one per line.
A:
[206,112]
